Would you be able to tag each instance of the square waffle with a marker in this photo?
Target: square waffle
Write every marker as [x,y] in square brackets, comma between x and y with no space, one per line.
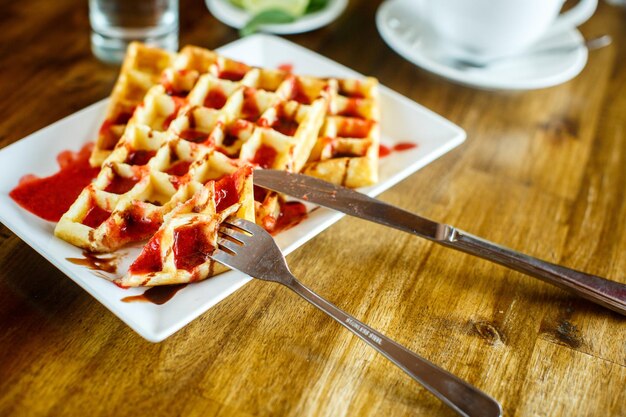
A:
[346,152]
[147,175]
[204,119]
[141,70]
[179,251]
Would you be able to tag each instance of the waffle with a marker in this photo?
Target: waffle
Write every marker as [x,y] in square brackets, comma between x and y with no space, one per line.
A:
[142,69]
[178,252]
[346,152]
[204,119]
[173,134]
[147,175]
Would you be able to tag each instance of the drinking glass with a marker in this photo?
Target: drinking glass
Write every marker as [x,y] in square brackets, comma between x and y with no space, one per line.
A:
[116,23]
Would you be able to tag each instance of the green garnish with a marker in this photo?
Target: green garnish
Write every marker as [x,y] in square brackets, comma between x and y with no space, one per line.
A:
[266,17]
[316,5]
[276,12]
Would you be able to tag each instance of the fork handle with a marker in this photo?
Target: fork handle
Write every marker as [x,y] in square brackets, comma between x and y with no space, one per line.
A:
[609,294]
[453,391]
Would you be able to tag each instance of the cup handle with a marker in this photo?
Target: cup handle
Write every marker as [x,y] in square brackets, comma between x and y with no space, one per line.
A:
[575,16]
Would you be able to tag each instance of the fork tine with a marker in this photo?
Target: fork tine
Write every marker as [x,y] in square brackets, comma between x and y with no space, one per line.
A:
[251,250]
[233,234]
[245,225]
[222,255]
[229,244]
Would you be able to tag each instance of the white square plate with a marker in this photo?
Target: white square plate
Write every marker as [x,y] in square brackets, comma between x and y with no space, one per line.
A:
[402,120]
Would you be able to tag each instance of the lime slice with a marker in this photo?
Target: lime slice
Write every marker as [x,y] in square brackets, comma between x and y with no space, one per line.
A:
[295,8]
[238,3]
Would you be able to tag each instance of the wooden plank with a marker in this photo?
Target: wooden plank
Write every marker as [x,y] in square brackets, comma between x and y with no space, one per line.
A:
[543,172]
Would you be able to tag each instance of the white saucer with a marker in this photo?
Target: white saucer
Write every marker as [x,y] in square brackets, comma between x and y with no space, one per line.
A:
[402,29]
[237,18]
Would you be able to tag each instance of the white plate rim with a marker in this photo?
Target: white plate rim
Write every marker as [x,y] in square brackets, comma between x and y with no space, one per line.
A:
[328,217]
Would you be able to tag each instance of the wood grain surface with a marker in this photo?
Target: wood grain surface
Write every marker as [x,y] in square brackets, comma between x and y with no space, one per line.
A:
[543,172]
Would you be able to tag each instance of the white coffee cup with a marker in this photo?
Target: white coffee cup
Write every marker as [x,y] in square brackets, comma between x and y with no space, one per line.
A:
[491,28]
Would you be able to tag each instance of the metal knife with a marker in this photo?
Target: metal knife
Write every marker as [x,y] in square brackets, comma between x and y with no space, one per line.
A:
[604,292]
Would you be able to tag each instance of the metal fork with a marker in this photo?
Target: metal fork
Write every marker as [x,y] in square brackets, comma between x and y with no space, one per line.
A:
[246,247]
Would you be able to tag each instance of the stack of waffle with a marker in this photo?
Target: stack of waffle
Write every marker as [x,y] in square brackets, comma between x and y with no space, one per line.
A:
[176,150]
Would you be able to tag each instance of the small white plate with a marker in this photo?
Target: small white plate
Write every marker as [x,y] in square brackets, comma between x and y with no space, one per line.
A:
[405,32]
[403,121]
[237,18]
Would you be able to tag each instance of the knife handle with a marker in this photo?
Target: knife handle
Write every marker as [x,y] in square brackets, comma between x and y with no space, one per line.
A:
[609,294]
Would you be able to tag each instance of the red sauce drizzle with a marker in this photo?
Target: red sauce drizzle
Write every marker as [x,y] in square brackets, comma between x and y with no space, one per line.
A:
[178,181]
[105,132]
[238,126]
[139,157]
[232,75]
[121,185]
[191,247]
[95,216]
[156,295]
[404,146]
[27,178]
[285,126]
[150,258]
[355,128]
[398,147]
[194,136]
[260,193]
[250,110]
[351,109]
[229,139]
[383,151]
[52,196]
[97,262]
[291,214]
[269,223]
[351,94]
[178,103]
[215,99]
[226,192]
[179,169]
[264,156]
[170,90]
[297,92]
[136,226]
[124,117]
[286,66]
[337,154]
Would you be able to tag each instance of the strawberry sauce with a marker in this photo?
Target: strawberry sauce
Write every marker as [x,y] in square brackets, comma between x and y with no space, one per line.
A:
[193,135]
[291,214]
[191,247]
[95,216]
[384,150]
[150,258]
[264,156]
[215,99]
[52,196]
[139,157]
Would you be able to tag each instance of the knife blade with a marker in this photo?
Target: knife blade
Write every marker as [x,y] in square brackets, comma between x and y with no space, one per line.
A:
[348,201]
[609,294]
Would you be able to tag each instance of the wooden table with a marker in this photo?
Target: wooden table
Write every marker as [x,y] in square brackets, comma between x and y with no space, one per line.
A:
[542,172]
